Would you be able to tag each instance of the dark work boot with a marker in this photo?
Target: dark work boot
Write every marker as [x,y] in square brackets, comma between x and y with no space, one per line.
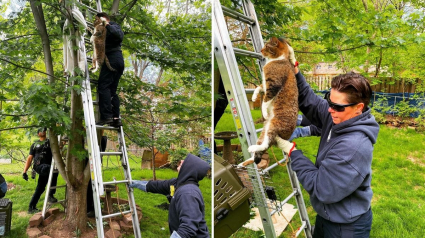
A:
[104,122]
[33,210]
[116,123]
[52,199]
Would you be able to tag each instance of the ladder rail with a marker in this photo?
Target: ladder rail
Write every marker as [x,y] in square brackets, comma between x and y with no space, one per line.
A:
[225,56]
[127,176]
[47,194]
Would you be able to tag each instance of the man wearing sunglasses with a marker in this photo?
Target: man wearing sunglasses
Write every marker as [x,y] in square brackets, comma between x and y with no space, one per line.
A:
[339,183]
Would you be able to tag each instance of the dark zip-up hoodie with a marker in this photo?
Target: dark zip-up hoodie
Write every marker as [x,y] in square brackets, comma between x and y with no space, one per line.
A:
[339,183]
[187,210]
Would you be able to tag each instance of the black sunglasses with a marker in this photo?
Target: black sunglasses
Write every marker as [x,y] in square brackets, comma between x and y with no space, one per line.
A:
[337,107]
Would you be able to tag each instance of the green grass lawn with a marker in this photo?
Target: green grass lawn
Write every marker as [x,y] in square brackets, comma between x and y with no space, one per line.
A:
[398,181]
[154,221]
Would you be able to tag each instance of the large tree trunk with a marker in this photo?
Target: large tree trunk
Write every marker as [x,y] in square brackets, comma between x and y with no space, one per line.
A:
[77,169]
[76,214]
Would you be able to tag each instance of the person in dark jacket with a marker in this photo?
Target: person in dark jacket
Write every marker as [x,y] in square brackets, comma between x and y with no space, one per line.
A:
[41,154]
[109,103]
[3,186]
[186,217]
[339,183]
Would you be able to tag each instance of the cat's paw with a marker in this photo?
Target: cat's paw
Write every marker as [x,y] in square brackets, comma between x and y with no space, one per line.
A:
[264,111]
[246,163]
[256,92]
[291,55]
[254,148]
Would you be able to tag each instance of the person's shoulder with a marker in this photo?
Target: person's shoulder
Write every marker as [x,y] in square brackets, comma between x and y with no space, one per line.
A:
[189,190]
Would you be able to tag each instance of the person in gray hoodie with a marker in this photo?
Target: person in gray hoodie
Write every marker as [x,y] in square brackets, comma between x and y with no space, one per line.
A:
[186,214]
[339,183]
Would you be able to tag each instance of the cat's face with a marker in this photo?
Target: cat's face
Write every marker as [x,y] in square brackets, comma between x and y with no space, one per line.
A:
[275,48]
[97,21]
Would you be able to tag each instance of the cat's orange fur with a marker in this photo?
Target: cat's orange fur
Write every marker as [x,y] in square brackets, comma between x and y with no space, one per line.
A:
[98,39]
[280,101]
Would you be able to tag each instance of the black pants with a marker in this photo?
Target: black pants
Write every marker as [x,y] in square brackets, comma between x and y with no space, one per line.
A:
[109,102]
[357,229]
[220,107]
[41,186]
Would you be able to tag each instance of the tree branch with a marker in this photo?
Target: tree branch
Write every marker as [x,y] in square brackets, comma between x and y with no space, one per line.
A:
[18,127]
[334,51]
[23,67]
[12,115]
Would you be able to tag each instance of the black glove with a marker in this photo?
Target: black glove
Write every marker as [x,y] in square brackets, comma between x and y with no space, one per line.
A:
[25,176]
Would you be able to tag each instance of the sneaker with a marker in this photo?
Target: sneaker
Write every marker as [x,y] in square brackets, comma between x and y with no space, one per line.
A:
[116,123]
[52,199]
[104,122]
[33,210]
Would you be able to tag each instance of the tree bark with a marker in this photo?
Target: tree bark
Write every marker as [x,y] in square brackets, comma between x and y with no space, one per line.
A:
[115,7]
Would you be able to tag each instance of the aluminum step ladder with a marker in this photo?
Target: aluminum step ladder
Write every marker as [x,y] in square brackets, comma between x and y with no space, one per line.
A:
[225,56]
[95,159]
[95,155]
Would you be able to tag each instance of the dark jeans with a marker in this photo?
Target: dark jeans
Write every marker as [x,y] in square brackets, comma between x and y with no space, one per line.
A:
[358,229]
[220,107]
[41,186]
[109,103]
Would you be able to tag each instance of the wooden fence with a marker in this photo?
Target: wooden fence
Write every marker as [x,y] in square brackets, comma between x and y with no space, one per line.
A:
[188,143]
[387,85]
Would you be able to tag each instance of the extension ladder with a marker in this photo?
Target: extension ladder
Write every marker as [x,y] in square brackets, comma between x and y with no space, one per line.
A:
[225,56]
[95,155]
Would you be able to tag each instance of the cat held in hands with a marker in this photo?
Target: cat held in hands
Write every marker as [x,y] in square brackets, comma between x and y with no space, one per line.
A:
[98,39]
[280,100]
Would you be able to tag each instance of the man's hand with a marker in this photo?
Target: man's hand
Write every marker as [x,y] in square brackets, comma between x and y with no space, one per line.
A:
[139,184]
[25,176]
[104,20]
[285,145]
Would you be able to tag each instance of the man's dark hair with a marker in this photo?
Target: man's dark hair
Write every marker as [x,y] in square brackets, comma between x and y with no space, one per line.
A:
[103,14]
[355,86]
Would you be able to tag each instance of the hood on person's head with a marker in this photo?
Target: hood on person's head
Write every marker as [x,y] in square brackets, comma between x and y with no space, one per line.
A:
[194,169]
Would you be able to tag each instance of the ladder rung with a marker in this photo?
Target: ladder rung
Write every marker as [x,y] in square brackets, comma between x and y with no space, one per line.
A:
[116,182]
[289,197]
[55,187]
[303,224]
[249,90]
[272,166]
[115,214]
[95,103]
[88,8]
[236,15]
[106,127]
[110,153]
[259,130]
[248,53]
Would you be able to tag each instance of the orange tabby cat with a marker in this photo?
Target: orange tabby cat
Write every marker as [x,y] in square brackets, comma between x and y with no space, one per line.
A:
[98,39]
[280,102]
